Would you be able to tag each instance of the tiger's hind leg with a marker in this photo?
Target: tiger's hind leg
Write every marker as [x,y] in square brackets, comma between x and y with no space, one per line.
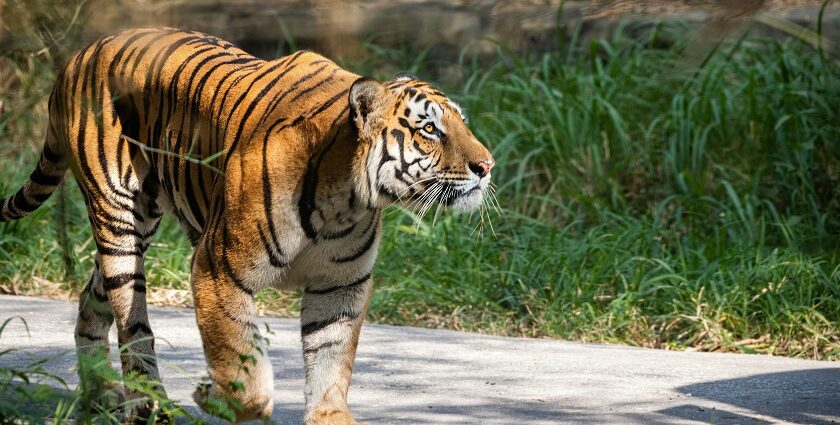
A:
[122,206]
[92,327]
[95,318]
[123,227]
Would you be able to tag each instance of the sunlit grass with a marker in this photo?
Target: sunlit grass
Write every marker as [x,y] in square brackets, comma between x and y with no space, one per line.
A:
[644,203]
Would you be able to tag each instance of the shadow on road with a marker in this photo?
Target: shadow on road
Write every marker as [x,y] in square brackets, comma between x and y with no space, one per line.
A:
[796,396]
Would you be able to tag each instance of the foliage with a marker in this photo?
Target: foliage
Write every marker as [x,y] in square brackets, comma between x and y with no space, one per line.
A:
[644,201]
[32,394]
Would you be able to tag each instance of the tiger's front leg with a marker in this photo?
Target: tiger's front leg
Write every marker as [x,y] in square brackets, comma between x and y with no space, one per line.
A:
[331,318]
[240,371]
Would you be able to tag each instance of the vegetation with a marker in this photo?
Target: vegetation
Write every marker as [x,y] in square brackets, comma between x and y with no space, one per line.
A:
[643,202]
[645,198]
[30,393]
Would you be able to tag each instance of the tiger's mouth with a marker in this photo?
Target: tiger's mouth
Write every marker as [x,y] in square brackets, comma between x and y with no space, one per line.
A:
[470,198]
[459,194]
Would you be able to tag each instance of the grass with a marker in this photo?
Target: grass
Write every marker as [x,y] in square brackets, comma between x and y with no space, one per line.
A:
[30,393]
[644,203]
[646,199]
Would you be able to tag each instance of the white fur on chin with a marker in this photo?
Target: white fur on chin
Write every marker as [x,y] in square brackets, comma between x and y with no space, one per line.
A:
[473,200]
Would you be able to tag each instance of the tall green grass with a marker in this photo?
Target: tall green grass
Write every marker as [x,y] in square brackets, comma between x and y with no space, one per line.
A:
[644,201]
[646,198]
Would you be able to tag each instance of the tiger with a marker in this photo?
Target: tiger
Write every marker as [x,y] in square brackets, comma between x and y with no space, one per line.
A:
[277,171]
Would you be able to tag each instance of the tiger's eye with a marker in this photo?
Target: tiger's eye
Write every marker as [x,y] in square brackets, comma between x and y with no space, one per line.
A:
[429,128]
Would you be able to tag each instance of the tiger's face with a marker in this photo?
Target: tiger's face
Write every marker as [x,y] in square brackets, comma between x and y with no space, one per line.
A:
[420,148]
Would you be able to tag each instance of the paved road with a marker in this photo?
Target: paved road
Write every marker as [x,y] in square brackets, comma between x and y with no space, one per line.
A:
[419,376]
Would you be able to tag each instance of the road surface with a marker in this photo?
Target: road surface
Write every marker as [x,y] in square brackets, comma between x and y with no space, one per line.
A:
[420,376]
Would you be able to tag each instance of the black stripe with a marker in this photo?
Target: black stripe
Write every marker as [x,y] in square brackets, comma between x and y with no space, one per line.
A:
[76,75]
[199,180]
[89,336]
[331,289]
[255,98]
[326,105]
[313,327]
[156,67]
[175,104]
[123,48]
[404,122]
[86,79]
[273,258]
[148,359]
[118,252]
[306,202]
[40,197]
[138,327]
[193,234]
[228,269]
[308,115]
[341,233]
[233,318]
[51,155]
[361,251]
[153,75]
[211,237]
[220,131]
[320,83]
[274,249]
[104,163]
[274,102]
[320,347]
[21,204]
[195,209]
[154,228]
[120,280]
[385,157]
[119,232]
[106,218]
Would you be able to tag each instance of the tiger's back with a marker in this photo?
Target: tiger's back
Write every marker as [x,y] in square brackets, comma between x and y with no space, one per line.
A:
[180,102]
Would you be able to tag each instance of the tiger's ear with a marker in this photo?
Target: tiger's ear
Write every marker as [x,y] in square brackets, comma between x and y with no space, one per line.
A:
[363,94]
[405,76]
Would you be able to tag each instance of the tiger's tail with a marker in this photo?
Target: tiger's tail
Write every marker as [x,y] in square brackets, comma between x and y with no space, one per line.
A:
[42,182]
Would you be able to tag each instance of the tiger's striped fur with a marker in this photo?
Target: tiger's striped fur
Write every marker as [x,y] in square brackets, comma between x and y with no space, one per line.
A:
[277,170]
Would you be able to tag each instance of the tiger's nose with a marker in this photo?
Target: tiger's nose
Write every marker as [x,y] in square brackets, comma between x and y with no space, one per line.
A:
[481,168]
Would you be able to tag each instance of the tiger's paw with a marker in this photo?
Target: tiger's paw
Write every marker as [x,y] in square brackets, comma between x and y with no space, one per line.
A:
[201,393]
[145,411]
[331,417]
[229,407]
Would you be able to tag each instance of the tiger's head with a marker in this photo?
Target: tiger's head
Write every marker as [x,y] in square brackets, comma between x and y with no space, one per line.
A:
[419,148]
